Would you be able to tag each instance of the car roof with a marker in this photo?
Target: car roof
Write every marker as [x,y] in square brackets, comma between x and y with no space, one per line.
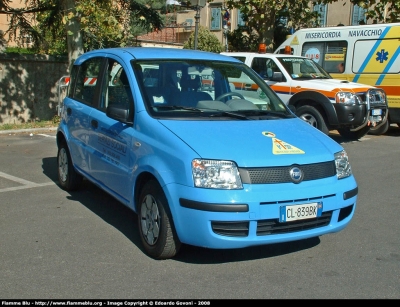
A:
[275,55]
[143,53]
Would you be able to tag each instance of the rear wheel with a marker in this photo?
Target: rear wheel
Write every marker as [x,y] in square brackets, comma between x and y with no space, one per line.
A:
[353,135]
[68,178]
[313,117]
[381,130]
[155,223]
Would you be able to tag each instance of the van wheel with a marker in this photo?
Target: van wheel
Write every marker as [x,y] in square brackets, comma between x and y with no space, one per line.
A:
[381,130]
[353,135]
[68,178]
[155,223]
[313,117]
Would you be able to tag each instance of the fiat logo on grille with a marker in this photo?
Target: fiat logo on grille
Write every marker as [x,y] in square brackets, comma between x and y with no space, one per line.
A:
[296,174]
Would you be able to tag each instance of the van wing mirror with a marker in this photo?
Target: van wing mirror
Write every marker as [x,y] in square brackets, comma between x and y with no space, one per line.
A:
[277,77]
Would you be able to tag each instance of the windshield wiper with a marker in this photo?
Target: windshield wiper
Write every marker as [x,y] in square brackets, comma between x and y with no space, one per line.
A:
[310,77]
[303,78]
[266,113]
[229,114]
[178,108]
[321,77]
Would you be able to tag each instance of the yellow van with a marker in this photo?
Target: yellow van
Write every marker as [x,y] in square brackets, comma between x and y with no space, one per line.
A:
[367,54]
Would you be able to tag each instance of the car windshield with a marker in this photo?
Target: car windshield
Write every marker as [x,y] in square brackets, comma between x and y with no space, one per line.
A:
[302,68]
[206,89]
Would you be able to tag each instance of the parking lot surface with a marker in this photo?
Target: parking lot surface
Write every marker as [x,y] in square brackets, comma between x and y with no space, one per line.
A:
[85,245]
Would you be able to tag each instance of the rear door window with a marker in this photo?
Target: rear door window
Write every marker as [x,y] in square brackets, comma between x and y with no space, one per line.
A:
[86,81]
[330,55]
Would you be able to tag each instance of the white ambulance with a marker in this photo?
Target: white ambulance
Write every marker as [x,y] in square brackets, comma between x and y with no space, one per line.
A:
[367,54]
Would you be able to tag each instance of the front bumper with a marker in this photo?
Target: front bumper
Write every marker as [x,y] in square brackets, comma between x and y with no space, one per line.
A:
[241,218]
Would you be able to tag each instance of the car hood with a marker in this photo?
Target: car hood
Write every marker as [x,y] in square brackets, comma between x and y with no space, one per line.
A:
[333,85]
[256,142]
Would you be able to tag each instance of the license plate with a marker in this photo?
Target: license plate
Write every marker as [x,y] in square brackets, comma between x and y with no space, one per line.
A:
[376,112]
[300,212]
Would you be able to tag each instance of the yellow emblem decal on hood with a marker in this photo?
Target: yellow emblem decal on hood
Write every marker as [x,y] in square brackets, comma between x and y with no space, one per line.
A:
[268,134]
[282,148]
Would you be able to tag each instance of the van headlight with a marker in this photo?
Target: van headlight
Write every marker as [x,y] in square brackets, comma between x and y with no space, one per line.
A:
[377,96]
[216,174]
[343,168]
[348,98]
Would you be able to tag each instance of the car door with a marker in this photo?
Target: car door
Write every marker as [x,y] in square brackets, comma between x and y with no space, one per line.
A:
[110,140]
[78,106]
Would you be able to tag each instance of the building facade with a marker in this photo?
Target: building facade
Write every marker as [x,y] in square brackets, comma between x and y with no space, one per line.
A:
[215,16]
[218,19]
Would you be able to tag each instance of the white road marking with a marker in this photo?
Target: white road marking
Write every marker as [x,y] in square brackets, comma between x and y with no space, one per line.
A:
[48,136]
[25,183]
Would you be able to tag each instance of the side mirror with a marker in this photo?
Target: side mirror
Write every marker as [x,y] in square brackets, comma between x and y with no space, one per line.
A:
[277,77]
[119,113]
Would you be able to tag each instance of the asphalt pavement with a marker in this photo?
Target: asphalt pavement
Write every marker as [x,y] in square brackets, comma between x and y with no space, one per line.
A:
[84,244]
[30,130]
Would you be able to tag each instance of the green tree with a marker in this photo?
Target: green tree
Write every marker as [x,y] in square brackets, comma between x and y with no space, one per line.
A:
[206,41]
[381,11]
[241,39]
[81,24]
[262,16]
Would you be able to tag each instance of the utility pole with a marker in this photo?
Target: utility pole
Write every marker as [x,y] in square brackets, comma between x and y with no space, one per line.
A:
[198,5]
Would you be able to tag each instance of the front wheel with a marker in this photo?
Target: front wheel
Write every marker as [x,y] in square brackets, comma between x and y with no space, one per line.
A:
[381,130]
[155,223]
[68,178]
[313,117]
[353,135]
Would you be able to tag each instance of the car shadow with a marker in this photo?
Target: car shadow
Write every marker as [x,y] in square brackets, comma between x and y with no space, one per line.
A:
[198,255]
[393,130]
[124,220]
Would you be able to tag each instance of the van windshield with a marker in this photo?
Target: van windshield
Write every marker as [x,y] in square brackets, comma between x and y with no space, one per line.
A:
[303,68]
[205,89]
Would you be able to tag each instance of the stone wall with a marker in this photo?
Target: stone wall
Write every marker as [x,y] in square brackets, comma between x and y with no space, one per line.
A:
[28,87]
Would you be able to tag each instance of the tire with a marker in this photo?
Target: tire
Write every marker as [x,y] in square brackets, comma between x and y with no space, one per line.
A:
[353,135]
[313,117]
[381,130]
[155,223]
[68,178]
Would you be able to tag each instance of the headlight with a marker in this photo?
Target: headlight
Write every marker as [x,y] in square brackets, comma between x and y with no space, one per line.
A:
[216,174]
[376,96]
[347,98]
[343,168]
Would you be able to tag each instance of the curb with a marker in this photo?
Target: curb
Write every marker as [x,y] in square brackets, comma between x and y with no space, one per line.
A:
[19,131]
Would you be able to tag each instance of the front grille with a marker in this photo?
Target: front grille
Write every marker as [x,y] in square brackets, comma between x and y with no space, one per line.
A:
[231,229]
[373,97]
[270,227]
[269,175]
[345,212]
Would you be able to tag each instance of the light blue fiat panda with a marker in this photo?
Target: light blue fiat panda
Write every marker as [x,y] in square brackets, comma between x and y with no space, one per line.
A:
[203,151]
